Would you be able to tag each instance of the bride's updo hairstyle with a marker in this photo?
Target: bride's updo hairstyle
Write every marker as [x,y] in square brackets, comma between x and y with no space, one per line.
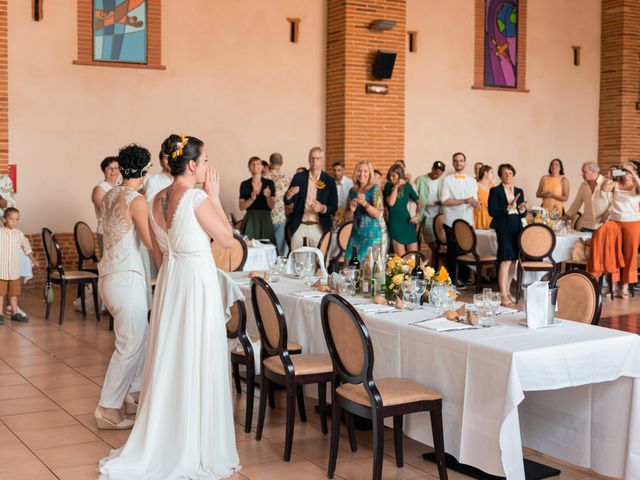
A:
[134,161]
[182,152]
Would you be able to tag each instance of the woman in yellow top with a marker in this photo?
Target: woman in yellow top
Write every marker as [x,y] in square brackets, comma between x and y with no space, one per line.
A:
[481,216]
[554,188]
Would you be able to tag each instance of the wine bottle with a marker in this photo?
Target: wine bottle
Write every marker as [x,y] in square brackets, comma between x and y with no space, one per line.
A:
[354,264]
[366,273]
[381,280]
[417,271]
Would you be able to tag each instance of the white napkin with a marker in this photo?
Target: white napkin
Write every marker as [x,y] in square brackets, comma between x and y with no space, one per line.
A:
[374,308]
[444,325]
[536,305]
[291,262]
[310,294]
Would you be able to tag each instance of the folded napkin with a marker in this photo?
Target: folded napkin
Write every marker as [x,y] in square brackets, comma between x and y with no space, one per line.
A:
[310,294]
[536,304]
[374,308]
[444,325]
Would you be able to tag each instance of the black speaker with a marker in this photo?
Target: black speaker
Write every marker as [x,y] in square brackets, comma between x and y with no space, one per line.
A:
[383,64]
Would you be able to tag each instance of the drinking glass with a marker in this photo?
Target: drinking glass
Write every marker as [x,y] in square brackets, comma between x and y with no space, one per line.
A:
[407,295]
[478,301]
[354,276]
[486,317]
[299,267]
[486,294]
[495,300]
[417,289]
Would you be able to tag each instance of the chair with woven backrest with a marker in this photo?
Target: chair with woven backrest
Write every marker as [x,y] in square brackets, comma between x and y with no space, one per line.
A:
[230,259]
[324,244]
[344,232]
[277,365]
[579,298]
[467,242]
[85,246]
[354,390]
[441,239]
[420,232]
[536,243]
[58,276]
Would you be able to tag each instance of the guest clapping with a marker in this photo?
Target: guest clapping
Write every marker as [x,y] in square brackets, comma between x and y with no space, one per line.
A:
[257,197]
[481,216]
[278,216]
[111,171]
[554,188]
[507,206]
[592,198]
[310,201]
[365,209]
[625,211]
[397,193]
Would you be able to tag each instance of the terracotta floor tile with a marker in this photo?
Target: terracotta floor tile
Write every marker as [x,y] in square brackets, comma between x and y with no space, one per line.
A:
[115,438]
[8,379]
[87,390]
[301,431]
[32,470]
[84,472]
[39,420]
[59,381]
[23,361]
[17,406]
[93,370]
[74,455]
[259,452]
[15,454]
[362,469]
[19,391]
[56,437]
[280,470]
[80,406]
[47,370]
[6,436]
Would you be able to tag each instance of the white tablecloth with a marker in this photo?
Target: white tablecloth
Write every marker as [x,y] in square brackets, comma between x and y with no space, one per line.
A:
[571,391]
[488,245]
[260,257]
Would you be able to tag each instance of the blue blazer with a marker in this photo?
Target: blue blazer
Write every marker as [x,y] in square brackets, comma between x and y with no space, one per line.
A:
[499,207]
[327,196]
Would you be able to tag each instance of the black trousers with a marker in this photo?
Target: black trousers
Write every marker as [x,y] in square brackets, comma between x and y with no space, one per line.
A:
[461,273]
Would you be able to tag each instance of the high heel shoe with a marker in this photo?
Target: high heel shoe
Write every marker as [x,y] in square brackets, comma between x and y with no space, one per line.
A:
[130,405]
[104,424]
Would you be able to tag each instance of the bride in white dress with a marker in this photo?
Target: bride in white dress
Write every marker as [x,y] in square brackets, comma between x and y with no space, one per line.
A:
[184,427]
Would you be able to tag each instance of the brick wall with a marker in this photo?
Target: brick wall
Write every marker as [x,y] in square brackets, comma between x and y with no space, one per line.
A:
[4,87]
[619,127]
[361,126]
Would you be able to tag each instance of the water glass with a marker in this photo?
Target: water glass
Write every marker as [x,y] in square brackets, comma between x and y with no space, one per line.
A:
[299,268]
[407,295]
[478,301]
[495,301]
[486,293]
[417,289]
[486,318]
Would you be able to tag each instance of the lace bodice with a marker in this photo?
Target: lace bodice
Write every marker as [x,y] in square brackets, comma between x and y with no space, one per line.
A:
[121,242]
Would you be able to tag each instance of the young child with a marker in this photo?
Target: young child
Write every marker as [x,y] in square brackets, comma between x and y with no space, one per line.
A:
[11,241]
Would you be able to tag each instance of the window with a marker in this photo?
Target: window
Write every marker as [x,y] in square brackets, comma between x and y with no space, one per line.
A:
[120,33]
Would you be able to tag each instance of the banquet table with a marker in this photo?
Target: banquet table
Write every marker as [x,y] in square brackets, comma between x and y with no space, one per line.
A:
[487,244]
[260,256]
[571,391]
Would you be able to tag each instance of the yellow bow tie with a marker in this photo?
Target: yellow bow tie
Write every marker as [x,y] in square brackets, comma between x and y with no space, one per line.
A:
[460,177]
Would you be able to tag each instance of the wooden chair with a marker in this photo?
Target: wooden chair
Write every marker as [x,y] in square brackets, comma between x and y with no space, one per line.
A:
[85,246]
[280,367]
[411,253]
[420,232]
[467,242]
[230,259]
[344,232]
[324,244]
[237,225]
[57,275]
[579,297]
[577,221]
[441,240]
[536,243]
[354,390]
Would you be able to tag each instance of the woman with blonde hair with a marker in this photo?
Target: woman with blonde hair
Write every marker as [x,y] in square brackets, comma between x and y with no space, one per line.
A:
[364,207]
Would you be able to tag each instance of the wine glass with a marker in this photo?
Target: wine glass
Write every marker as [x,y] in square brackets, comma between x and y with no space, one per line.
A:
[354,276]
[407,294]
[417,289]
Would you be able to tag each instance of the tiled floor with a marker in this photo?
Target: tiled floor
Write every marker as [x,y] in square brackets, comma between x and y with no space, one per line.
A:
[50,379]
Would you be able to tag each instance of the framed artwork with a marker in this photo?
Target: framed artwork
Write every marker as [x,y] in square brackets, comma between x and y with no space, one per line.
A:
[120,31]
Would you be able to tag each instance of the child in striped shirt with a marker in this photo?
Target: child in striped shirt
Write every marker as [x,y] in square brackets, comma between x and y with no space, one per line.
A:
[11,241]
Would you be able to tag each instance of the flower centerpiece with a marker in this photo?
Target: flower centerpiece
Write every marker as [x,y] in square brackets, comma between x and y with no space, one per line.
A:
[397,272]
[431,277]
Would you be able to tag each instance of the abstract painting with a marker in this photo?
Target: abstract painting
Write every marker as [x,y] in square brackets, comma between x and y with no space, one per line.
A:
[501,43]
[120,31]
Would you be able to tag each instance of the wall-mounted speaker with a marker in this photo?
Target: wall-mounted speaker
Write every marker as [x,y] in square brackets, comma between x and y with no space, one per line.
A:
[383,64]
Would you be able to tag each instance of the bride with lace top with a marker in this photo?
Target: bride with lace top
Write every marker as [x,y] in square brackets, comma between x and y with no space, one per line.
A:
[184,427]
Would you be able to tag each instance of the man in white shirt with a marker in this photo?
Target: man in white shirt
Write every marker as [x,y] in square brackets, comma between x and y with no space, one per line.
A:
[343,185]
[458,196]
[595,201]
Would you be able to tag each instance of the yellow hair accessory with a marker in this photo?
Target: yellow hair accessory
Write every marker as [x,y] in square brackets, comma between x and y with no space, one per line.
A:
[178,151]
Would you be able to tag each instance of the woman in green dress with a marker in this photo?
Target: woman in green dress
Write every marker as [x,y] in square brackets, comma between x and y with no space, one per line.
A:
[257,197]
[402,226]
[364,207]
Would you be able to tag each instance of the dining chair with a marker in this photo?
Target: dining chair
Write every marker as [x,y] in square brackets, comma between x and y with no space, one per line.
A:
[324,244]
[467,248]
[279,366]
[579,297]
[441,240]
[420,232]
[230,259]
[58,276]
[343,235]
[354,390]
[536,243]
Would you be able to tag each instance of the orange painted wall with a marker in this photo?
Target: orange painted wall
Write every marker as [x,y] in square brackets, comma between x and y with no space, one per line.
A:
[232,78]
[557,118]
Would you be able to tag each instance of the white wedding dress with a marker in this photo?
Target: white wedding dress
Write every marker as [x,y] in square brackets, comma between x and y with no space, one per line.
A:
[184,427]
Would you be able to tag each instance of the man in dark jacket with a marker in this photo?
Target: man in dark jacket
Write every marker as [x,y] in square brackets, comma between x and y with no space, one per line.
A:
[310,201]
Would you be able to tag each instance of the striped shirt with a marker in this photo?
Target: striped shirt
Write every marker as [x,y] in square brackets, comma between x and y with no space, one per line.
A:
[11,241]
